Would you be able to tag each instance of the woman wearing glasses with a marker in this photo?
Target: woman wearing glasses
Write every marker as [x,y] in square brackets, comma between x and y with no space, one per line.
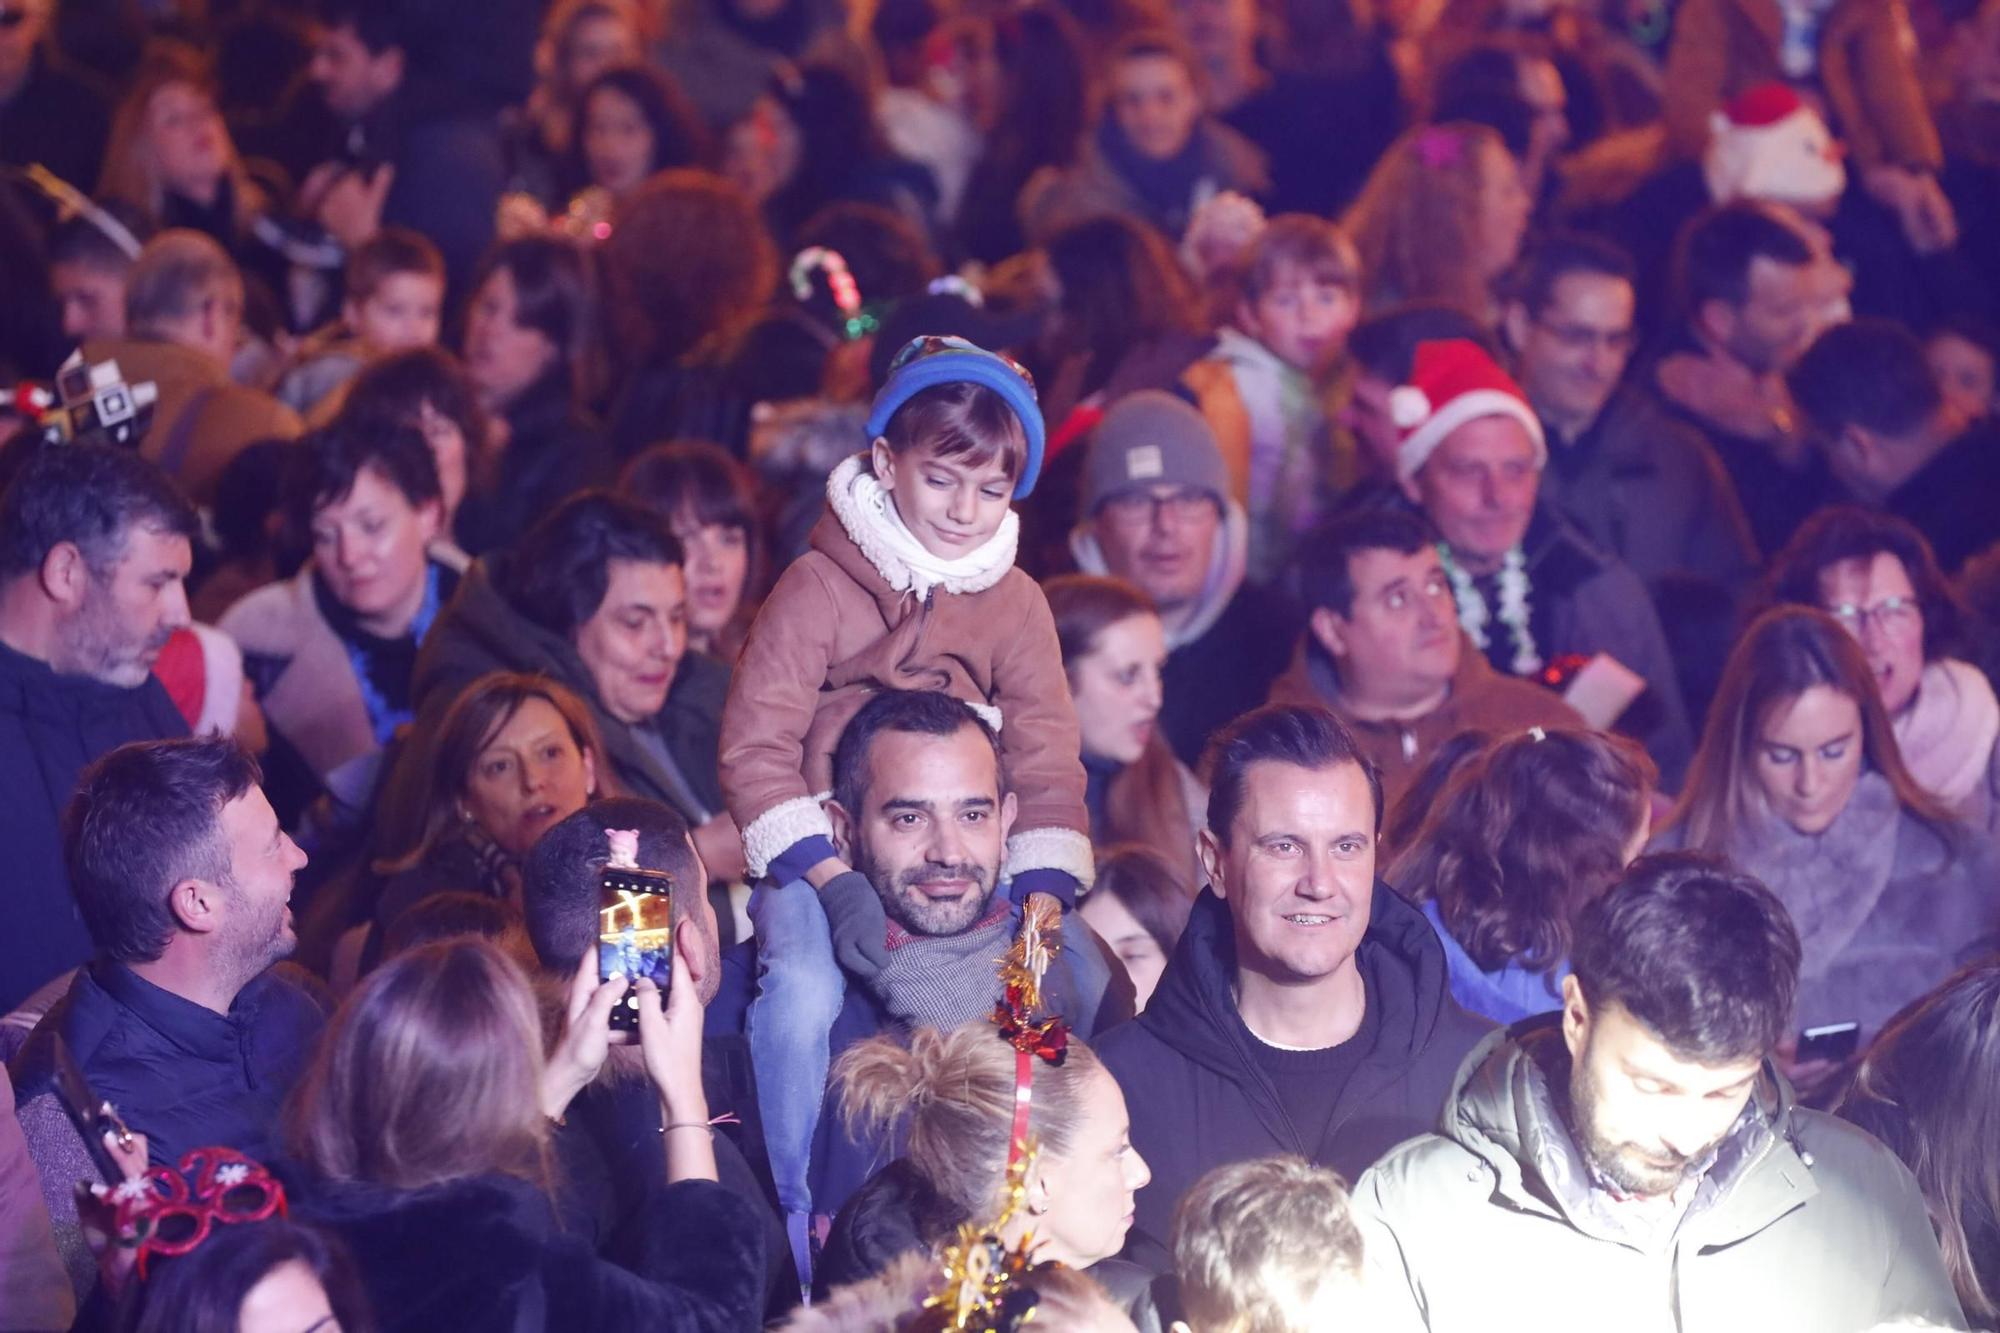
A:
[1799,782]
[1876,575]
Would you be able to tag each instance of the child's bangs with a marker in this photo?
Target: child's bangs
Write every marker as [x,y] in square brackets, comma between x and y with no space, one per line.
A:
[965,423]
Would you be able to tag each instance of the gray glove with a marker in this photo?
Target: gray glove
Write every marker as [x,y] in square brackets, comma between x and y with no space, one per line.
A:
[860,926]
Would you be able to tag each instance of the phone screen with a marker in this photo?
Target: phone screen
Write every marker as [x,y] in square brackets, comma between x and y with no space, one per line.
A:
[1835,1041]
[635,934]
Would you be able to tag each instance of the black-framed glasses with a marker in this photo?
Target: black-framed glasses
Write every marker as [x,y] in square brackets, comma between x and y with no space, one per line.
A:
[1178,507]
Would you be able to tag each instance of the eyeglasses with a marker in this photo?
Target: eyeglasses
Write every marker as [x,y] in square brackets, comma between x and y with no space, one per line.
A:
[1178,507]
[171,1211]
[1580,338]
[1891,613]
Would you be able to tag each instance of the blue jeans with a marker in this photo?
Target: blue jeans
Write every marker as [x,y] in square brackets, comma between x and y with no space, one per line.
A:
[799,991]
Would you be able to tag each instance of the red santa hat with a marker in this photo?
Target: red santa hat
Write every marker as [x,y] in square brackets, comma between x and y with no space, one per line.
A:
[1453,381]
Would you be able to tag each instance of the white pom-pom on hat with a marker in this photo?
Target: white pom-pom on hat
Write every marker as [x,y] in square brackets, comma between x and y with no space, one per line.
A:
[1409,406]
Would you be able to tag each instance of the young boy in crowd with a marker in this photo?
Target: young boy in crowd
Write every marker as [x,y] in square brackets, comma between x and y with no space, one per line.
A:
[909,584]
[1300,299]
[1267,1246]
[395,292]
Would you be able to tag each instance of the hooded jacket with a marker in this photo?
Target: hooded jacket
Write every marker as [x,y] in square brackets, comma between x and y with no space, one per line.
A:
[1199,1099]
[1803,1225]
[845,622]
[1480,699]
[52,725]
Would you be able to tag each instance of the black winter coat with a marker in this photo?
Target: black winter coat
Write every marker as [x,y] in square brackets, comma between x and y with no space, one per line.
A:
[1198,1098]
[484,1254]
[51,727]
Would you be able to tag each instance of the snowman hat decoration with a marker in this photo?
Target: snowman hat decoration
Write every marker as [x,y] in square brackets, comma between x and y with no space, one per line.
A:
[1769,143]
[1454,381]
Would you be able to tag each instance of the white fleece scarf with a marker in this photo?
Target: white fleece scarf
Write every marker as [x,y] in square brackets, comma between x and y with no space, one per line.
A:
[1948,731]
[869,516]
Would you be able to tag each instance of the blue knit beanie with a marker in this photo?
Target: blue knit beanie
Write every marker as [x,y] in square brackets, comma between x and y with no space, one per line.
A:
[930,361]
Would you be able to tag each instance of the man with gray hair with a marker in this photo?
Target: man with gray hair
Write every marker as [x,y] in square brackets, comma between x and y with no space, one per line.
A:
[183,319]
[94,552]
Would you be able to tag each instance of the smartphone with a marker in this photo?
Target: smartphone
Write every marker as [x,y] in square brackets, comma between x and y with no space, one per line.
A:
[93,1116]
[1835,1041]
[635,934]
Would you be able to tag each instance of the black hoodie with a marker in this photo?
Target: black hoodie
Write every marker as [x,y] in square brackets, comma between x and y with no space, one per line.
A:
[1198,1098]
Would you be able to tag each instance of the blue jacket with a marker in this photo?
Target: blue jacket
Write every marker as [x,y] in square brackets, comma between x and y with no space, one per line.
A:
[52,726]
[1507,996]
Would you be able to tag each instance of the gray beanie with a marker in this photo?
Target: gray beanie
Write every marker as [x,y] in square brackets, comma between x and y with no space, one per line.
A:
[1151,438]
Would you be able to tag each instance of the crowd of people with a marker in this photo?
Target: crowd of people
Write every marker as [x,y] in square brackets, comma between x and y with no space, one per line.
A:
[981,664]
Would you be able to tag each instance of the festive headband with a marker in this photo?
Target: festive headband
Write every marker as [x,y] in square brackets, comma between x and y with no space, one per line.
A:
[985,1285]
[171,1212]
[1016,1015]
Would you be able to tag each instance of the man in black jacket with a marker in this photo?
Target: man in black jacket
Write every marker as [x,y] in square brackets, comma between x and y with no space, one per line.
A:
[185,880]
[94,549]
[1306,1008]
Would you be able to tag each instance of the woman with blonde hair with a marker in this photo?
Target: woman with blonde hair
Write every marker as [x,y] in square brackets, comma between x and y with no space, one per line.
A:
[1441,217]
[424,1126]
[170,156]
[953,1093]
[1799,781]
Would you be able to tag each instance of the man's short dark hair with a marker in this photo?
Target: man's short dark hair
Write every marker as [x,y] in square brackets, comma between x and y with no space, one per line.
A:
[91,494]
[1705,957]
[379,24]
[558,573]
[1305,736]
[1558,255]
[915,712]
[1714,251]
[559,877]
[1385,345]
[145,817]
[1325,559]
[79,240]
[1870,373]
[1853,532]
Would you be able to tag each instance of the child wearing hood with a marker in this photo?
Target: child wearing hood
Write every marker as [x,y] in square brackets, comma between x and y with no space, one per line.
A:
[909,584]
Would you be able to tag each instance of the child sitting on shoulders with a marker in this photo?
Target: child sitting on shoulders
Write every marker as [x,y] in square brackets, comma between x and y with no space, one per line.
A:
[909,584]
[395,291]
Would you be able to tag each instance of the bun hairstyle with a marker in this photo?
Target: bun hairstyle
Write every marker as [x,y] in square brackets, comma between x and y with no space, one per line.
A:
[957,1089]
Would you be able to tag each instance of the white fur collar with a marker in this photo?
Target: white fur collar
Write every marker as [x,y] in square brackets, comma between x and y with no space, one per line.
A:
[872,523]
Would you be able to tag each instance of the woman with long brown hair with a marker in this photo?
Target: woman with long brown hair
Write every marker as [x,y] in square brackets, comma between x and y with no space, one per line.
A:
[424,1124]
[1930,1088]
[170,155]
[1799,782]
[1441,217]
[1113,649]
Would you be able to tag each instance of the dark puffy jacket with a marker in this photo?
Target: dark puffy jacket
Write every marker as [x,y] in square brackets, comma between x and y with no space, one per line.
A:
[180,1073]
[485,1253]
[1198,1099]
[52,726]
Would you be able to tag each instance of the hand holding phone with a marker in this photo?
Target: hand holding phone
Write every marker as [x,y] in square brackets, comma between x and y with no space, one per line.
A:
[635,928]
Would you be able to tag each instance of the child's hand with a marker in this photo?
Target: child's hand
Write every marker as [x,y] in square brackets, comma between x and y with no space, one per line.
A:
[860,926]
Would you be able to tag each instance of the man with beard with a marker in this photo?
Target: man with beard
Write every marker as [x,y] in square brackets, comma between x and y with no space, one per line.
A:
[185,880]
[94,552]
[1639,1159]
[920,807]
